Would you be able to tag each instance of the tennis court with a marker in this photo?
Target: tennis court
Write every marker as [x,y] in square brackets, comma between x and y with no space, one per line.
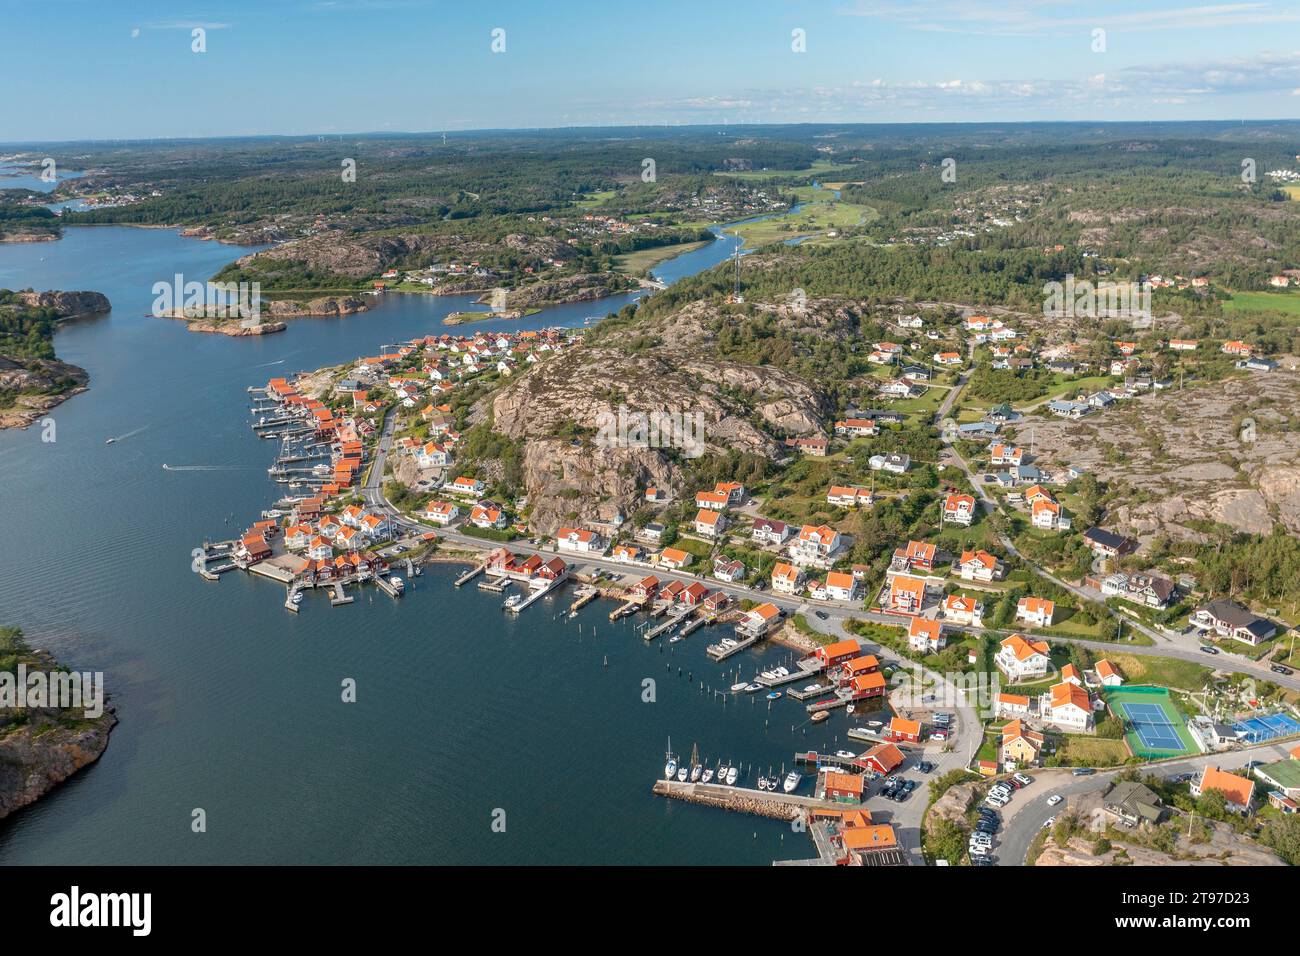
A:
[1268,727]
[1153,725]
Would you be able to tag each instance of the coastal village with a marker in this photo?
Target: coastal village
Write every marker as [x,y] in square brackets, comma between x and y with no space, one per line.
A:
[1066,675]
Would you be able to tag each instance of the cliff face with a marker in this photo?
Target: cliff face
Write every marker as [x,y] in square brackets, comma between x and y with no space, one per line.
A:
[36,758]
[742,407]
[37,386]
[329,306]
[67,304]
[40,747]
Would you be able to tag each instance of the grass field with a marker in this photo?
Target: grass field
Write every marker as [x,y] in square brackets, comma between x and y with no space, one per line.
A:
[1084,751]
[643,260]
[820,212]
[1292,191]
[1163,671]
[1263,302]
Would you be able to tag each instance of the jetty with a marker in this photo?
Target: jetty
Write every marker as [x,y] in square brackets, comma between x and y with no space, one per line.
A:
[496,585]
[763,803]
[804,671]
[536,596]
[811,758]
[585,595]
[337,597]
[817,690]
[471,574]
[720,652]
[289,604]
[623,610]
[673,620]
[388,587]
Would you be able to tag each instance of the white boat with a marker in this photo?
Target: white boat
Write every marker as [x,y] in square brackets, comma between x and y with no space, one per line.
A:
[670,769]
[780,672]
[297,597]
[722,773]
[674,639]
[735,688]
[768,675]
[109,441]
[732,775]
[513,601]
[753,688]
[846,755]
[398,584]
[696,772]
[791,781]
[762,782]
[707,775]
[682,774]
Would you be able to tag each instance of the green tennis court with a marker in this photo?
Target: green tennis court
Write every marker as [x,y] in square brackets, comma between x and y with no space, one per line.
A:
[1153,724]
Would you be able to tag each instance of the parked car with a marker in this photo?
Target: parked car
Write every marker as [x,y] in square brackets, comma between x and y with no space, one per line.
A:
[1048,822]
[1023,779]
[821,615]
[979,851]
[1016,783]
[939,735]
[1054,799]
[1279,669]
[909,785]
[924,766]
[1083,771]
[1208,649]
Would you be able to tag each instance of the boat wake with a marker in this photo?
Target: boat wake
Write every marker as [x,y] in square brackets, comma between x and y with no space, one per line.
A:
[124,437]
[167,467]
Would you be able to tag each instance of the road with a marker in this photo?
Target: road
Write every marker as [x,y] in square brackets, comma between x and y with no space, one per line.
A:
[1025,815]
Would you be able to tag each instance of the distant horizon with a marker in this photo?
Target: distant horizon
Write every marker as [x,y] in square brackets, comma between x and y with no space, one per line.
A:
[18,145]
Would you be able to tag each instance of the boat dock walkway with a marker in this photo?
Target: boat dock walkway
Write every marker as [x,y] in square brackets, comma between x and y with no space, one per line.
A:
[535,596]
[821,690]
[584,596]
[623,610]
[829,703]
[764,803]
[800,674]
[720,653]
[497,585]
[812,758]
[387,587]
[338,597]
[866,735]
[471,574]
[289,604]
[674,619]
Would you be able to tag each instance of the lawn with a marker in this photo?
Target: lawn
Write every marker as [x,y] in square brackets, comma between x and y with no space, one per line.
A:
[1162,671]
[1263,302]
[1292,191]
[1085,751]
[819,167]
[820,212]
[643,260]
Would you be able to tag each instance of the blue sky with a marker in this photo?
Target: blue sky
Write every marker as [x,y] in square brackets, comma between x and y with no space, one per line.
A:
[95,69]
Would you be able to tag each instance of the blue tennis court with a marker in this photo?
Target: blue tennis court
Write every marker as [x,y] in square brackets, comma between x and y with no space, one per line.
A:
[1152,726]
[1268,727]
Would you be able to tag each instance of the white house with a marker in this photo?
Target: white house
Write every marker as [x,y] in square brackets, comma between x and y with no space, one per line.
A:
[963,611]
[441,512]
[958,509]
[1020,658]
[1067,707]
[979,566]
[579,540]
[1036,612]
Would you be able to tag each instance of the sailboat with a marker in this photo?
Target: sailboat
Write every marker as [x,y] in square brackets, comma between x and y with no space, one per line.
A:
[696,769]
[670,767]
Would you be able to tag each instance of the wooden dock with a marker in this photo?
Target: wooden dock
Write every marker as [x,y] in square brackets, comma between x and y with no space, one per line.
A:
[337,597]
[821,691]
[387,587]
[673,620]
[623,610]
[289,605]
[800,674]
[720,653]
[535,597]
[496,585]
[471,574]
[584,596]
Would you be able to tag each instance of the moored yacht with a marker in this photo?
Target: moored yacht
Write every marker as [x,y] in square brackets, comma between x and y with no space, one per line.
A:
[791,781]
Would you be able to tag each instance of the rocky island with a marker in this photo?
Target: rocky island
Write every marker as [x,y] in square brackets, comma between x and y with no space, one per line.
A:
[32,379]
[40,747]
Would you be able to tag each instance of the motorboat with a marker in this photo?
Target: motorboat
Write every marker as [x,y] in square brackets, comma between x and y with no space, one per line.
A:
[297,597]
[762,782]
[722,773]
[774,695]
[821,715]
[513,601]
[696,772]
[781,672]
[399,585]
[753,688]
[737,687]
[732,776]
[682,774]
[791,781]
[846,755]
[109,441]
[670,769]
[707,775]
